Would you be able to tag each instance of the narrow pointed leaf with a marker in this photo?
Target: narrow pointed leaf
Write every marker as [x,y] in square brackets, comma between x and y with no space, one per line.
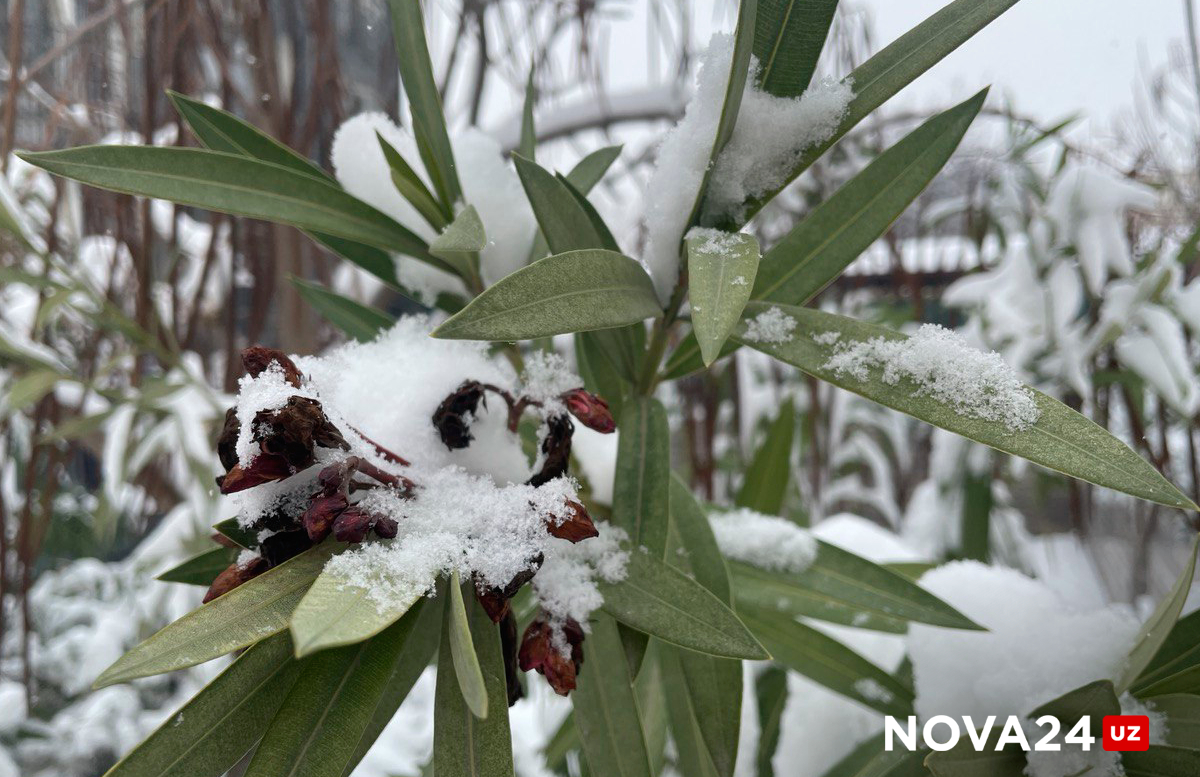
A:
[411,186]
[1094,700]
[320,722]
[233,530]
[247,614]
[692,754]
[764,486]
[771,691]
[335,612]
[459,245]
[201,569]
[462,743]
[565,225]
[1061,440]
[788,38]
[231,184]
[814,253]
[462,651]
[721,272]
[891,69]
[824,660]
[598,226]
[869,759]
[1180,650]
[1156,628]
[588,172]
[1183,718]
[527,147]
[572,292]
[222,722]
[1162,761]
[663,602]
[606,710]
[359,321]
[425,102]
[642,482]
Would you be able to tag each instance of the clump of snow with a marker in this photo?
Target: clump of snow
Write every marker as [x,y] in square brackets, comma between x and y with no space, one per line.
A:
[1072,760]
[716,241]
[739,281]
[943,366]
[269,391]
[547,375]
[770,326]
[826,338]
[771,134]
[764,540]
[869,688]
[679,170]
[1037,645]
[492,187]
[565,586]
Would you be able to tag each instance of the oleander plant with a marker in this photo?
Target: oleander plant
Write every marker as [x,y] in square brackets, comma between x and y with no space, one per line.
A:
[411,498]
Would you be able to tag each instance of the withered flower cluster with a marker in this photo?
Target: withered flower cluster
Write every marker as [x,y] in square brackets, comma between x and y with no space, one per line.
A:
[287,439]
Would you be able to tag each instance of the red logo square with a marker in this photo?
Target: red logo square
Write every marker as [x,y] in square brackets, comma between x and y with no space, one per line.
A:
[1126,732]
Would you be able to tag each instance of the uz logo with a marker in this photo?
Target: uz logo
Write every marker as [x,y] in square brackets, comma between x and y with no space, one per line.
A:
[1126,732]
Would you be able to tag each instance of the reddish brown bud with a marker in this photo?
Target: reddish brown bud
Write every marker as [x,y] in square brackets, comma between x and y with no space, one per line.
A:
[227,442]
[257,359]
[508,649]
[494,603]
[295,429]
[576,526]
[320,515]
[283,545]
[353,524]
[556,450]
[233,576]
[453,416]
[386,528]
[539,652]
[265,468]
[591,410]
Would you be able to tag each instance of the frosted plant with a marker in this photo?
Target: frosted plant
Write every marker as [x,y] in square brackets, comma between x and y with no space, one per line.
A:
[411,494]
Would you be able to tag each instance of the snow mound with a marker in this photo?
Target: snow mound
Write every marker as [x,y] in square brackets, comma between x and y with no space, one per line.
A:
[764,540]
[770,326]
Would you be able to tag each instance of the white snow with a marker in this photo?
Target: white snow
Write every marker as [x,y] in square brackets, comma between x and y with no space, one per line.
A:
[546,376]
[764,540]
[869,688]
[771,134]
[565,586]
[715,241]
[770,326]
[269,391]
[943,366]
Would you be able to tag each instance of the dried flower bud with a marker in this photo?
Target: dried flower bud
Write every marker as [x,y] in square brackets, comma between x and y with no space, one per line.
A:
[257,359]
[227,442]
[294,430]
[266,468]
[353,524]
[554,651]
[556,450]
[591,410]
[493,603]
[335,477]
[283,545]
[322,511]
[576,526]
[386,528]
[452,418]
[494,599]
[508,649]
[234,575]
[224,541]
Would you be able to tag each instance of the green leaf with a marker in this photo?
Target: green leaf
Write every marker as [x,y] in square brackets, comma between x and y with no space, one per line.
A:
[318,727]
[686,358]
[583,176]
[357,320]
[824,660]
[420,647]
[788,38]
[890,70]
[642,482]
[663,602]
[1180,650]
[201,569]
[651,695]
[1183,719]
[1156,628]
[461,241]
[464,745]
[30,388]
[527,147]
[1162,761]
[411,187]
[1094,700]
[572,292]
[818,249]
[713,686]
[1183,681]
[335,612]
[231,529]
[721,271]
[222,131]
[963,761]
[249,613]
[692,754]
[765,483]
[772,692]
[565,224]
[606,710]
[869,759]
[1061,440]
[425,102]
[231,184]
[839,584]
[598,226]
[462,651]
[222,722]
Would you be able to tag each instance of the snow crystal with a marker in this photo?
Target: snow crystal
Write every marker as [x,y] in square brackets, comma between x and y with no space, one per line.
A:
[771,134]
[246,556]
[565,586]
[764,540]
[739,281]
[770,326]
[826,338]
[269,391]
[679,170]
[971,382]
[869,688]
[716,241]
[1037,647]
[547,376]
